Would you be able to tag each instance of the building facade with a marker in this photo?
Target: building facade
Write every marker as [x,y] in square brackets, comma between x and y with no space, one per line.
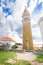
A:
[40,23]
[27,34]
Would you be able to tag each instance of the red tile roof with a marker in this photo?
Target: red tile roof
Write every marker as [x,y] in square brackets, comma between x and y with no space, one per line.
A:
[7,39]
[1,42]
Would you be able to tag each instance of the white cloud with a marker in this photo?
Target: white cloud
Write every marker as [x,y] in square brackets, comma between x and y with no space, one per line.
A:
[36,33]
[40,1]
[17,9]
[2,17]
[10,18]
[15,18]
[35,30]
[38,44]
[33,4]
[15,36]
[5,27]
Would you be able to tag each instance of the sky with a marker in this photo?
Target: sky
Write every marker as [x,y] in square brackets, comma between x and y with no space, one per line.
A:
[11,12]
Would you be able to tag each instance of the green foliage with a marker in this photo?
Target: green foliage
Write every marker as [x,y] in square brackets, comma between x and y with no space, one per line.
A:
[40,58]
[8,64]
[22,62]
[5,55]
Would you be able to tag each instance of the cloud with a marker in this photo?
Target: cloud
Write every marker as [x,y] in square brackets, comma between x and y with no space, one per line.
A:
[33,4]
[34,21]
[40,1]
[15,18]
[37,43]
[3,23]
[36,34]
[15,36]
[8,24]
[13,22]
[38,10]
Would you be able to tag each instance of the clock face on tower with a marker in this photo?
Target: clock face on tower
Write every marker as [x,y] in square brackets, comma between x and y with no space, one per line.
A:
[26,19]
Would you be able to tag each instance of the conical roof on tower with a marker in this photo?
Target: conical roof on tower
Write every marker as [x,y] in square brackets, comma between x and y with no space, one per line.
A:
[26,12]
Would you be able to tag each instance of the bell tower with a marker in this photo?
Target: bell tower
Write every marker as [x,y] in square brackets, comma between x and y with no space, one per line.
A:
[27,34]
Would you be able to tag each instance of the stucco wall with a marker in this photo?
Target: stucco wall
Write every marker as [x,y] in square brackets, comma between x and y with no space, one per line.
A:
[41,29]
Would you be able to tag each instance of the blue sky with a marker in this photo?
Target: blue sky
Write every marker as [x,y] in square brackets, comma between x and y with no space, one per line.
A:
[11,17]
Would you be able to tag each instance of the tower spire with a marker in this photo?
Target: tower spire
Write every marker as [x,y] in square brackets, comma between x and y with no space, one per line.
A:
[26,12]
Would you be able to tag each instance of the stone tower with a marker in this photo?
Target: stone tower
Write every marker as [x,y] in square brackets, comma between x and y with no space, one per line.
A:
[27,34]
